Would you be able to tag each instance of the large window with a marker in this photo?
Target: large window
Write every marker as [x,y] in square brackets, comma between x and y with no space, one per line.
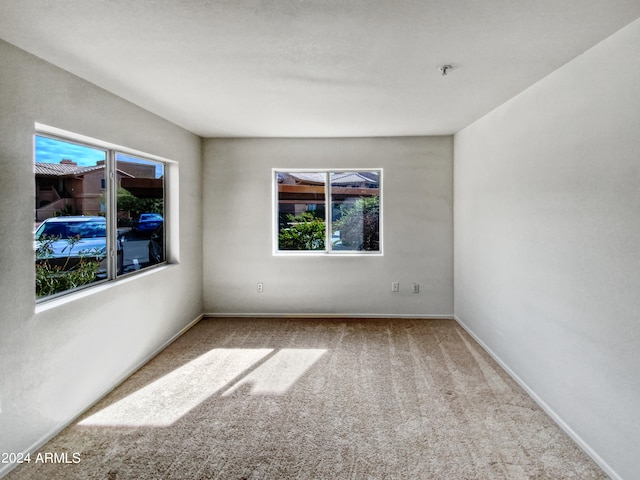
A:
[335,211]
[99,214]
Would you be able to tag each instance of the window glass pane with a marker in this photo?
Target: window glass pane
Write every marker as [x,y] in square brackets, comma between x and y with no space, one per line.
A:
[301,210]
[70,209]
[140,212]
[355,211]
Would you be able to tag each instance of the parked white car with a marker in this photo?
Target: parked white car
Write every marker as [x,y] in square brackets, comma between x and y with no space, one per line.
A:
[65,241]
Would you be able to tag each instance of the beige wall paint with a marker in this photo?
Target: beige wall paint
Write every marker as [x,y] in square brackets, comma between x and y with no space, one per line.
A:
[417,229]
[547,242]
[56,362]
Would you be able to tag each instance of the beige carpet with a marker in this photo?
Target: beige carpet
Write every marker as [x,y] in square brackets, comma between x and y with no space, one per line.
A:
[317,399]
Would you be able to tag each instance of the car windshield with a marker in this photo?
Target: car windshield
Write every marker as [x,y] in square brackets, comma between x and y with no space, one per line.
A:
[89,229]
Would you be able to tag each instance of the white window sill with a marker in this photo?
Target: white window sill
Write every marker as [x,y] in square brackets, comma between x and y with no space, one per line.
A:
[48,304]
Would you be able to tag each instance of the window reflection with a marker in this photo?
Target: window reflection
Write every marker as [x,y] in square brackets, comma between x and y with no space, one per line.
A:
[355,211]
[76,223]
[71,228]
[350,223]
[140,211]
[301,211]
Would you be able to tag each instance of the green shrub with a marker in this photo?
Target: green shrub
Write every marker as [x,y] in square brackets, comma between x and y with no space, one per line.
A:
[303,232]
[135,206]
[51,279]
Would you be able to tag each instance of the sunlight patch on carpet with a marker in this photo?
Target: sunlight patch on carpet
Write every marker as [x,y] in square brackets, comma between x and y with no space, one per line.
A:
[172,396]
[279,372]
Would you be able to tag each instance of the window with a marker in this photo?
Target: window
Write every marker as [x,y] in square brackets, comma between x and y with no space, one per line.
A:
[328,211]
[99,214]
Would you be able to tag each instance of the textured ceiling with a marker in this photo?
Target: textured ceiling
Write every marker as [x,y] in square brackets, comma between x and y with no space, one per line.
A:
[313,68]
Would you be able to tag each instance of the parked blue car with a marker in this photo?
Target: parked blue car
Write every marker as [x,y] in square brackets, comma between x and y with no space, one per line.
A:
[147,223]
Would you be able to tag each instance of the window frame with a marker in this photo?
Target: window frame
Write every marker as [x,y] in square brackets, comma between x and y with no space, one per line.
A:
[111,188]
[328,250]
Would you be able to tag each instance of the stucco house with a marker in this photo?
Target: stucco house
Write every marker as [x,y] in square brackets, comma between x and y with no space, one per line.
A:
[67,186]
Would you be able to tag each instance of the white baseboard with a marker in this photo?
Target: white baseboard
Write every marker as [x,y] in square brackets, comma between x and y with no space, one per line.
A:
[326,315]
[55,431]
[554,416]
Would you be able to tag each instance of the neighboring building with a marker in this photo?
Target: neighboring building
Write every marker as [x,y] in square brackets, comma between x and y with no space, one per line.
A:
[78,190]
[303,191]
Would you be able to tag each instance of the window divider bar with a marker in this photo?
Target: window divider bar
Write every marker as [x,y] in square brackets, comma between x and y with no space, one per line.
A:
[111,214]
[328,214]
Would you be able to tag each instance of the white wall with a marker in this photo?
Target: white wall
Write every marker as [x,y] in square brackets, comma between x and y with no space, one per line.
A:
[547,243]
[417,230]
[56,362]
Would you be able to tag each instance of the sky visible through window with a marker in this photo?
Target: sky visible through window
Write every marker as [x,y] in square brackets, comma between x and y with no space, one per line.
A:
[50,150]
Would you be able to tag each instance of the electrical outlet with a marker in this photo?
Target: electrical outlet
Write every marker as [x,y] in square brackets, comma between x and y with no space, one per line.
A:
[416,288]
[395,286]
[260,287]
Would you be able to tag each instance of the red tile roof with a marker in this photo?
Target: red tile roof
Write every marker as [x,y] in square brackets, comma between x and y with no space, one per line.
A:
[59,169]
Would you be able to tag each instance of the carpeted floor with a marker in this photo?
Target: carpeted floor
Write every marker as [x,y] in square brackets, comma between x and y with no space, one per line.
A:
[317,399]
